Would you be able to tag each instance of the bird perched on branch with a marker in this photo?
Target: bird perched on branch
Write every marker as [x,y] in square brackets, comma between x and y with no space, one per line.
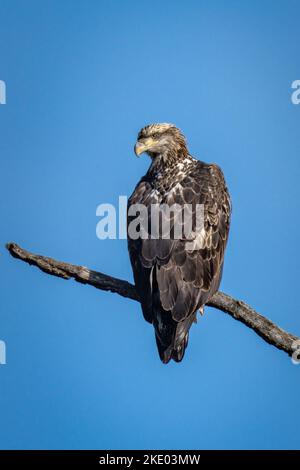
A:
[175,276]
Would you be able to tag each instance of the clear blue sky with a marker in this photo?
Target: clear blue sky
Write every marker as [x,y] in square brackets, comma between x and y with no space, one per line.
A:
[82,78]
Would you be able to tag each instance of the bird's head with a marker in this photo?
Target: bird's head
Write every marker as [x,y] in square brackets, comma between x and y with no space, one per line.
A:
[163,140]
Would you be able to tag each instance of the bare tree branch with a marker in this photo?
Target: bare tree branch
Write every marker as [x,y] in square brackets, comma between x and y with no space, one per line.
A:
[236,308]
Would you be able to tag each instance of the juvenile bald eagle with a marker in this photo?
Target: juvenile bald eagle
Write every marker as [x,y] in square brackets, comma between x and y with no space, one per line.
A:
[175,277]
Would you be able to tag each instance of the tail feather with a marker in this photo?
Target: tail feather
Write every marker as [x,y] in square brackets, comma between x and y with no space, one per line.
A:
[171,336]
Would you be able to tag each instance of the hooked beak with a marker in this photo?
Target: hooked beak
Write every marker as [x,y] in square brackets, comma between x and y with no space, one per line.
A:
[141,147]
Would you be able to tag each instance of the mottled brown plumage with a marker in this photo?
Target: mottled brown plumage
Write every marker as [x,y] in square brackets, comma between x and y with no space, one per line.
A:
[176,277]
